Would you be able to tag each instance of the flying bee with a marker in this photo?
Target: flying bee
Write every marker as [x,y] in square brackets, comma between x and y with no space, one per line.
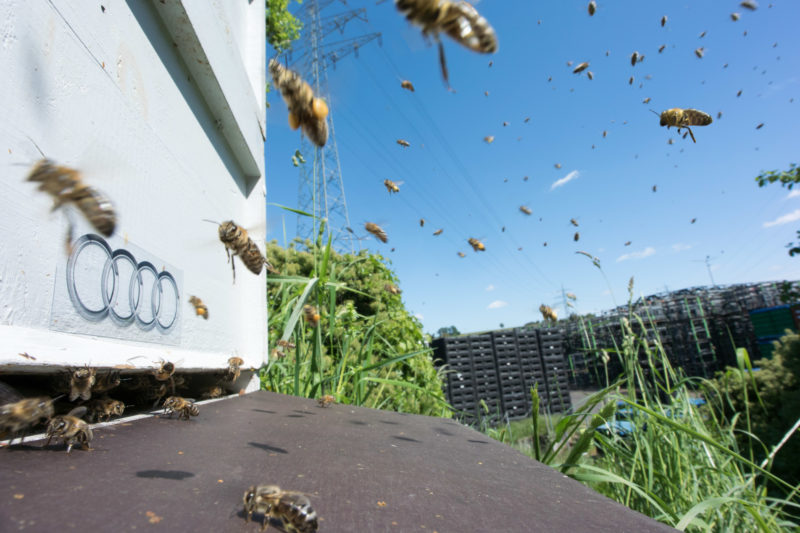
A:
[326,400]
[683,118]
[234,368]
[592,7]
[71,429]
[634,58]
[590,74]
[238,243]
[164,371]
[734,16]
[437,232]
[214,392]
[573,222]
[305,109]
[655,188]
[405,84]
[630,80]
[761,125]
[748,4]
[605,133]
[461,254]
[693,221]
[286,344]
[404,143]
[580,68]
[292,508]
[311,315]
[646,100]
[377,231]
[80,383]
[105,408]
[66,186]
[505,124]
[527,119]
[576,237]
[489,139]
[105,382]
[185,408]
[663,20]
[477,245]
[627,243]
[277,354]
[525,209]
[17,417]
[548,313]
[421,222]
[392,186]
[200,308]
[392,289]
[699,52]
[557,165]
[661,48]
[459,20]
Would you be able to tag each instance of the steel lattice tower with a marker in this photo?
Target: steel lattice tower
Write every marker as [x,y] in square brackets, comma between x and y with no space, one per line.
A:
[321,189]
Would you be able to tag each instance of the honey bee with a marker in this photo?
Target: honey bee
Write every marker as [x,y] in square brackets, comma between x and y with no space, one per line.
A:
[421,222]
[403,143]
[326,400]
[646,100]
[214,392]
[627,243]
[761,125]
[234,371]
[182,406]
[311,315]
[580,68]
[693,221]
[505,124]
[17,417]
[557,165]
[630,80]
[548,313]
[286,344]
[277,354]
[663,20]
[305,109]
[392,289]
[655,188]
[590,74]
[634,58]
[391,186]
[661,48]
[699,52]
[238,243]
[738,94]
[199,307]
[525,209]
[748,4]
[477,245]
[71,429]
[377,231]
[293,509]
[105,382]
[103,409]
[65,185]
[527,119]
[592,7]
[459,20]
[26,355]
[734,16]
[605,133]
[164,371]
[683,118]
[576,237]
[81,382]
[437,232]
[573,222]
[489,139]
[405,84]
[461,254]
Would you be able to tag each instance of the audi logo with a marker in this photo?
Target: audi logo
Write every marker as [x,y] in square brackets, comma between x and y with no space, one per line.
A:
[124,289]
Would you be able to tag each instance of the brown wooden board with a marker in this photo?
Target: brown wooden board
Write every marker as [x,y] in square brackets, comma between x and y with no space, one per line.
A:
[364,470]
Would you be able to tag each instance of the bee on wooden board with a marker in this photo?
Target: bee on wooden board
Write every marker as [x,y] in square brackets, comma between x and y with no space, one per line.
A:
[237,242]
[71,429]
[377,231]
[292,508]
[305,108]
[460,20]
[200,308]
[18,417]
[392,186]
[311,315]
[81,382]
[101,410]
[185,408]
[477,245]
[234,370]
[65,185]
[326,400]
[683,118]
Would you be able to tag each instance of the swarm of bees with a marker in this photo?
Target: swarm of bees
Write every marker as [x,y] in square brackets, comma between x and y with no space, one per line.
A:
[377,231]
[293,509]
[683,118]
[391,186]
[460,20]
[477,245]
[185,408]
[65,185]
[306,110]
[200,308]
[71,429]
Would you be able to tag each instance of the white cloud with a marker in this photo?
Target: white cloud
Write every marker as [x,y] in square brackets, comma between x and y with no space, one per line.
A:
[419,316]
[785,219]
[497,304]
[569,177]
[794,194]
[680,247]
[490,287]
[647,252]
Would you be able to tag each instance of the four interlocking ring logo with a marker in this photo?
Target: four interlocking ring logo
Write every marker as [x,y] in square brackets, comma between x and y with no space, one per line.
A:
[114,289]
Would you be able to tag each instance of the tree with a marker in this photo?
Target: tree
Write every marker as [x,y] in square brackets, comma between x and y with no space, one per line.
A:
[282,27]
[787,179]
[451,331]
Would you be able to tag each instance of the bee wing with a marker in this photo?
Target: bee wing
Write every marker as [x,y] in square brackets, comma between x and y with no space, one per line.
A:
[469,28]
[78,412]
[8,394]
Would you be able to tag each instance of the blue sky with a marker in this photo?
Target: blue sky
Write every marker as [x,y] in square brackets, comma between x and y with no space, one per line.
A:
[456,181]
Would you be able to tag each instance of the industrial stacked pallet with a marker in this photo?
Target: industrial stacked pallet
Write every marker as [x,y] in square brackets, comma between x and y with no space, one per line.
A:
[769,325]
[516,398]
[530,361]
[487,386]
[460,385]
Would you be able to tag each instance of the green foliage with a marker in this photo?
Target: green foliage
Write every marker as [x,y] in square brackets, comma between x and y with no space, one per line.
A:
[787,179]
[282,27]
[771,396]
[366,350]
[450,331]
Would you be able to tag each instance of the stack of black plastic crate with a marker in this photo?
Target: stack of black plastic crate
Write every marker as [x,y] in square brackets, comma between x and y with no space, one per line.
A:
[552,342]
[460,377]
[487,387]
[531,363]
[515,395]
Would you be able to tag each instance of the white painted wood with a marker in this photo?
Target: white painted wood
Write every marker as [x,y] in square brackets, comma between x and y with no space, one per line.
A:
[108,93]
